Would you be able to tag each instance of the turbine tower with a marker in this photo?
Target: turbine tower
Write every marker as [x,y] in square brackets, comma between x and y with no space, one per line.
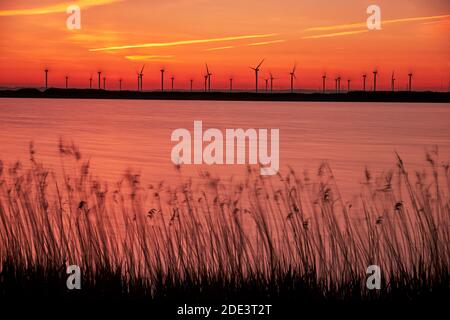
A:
[206,82]
[392,82]
[348,85]
[324,79]
[339,84]
[120,84]
[138,81]
[191,82]
[173,78]
[209,74]
[99,79]
[271,82]
[67,82]
[256,74]
[375,72]
[292,73]
[267,84]
[162,79]
[104,83]
[141,75]
[410,81]
[90,82]
[231,84]
[364,81]
[46,78]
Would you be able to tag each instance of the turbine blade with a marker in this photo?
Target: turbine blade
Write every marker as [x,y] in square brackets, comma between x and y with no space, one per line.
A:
[259,65]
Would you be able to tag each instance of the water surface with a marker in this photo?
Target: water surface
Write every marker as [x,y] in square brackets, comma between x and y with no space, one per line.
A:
[121,134]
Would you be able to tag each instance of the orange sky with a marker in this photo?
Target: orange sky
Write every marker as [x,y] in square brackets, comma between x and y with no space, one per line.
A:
[181,35]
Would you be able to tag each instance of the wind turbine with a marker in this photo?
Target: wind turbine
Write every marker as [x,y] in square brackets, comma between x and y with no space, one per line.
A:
[364,81]
[173,78]
[375,72]
[46,78]
[90,82]
[324,79]
[348,85]
[267,84]
[338,84]
[392,82]
[120,84]
[410,81]
[67,82]
[209,74]
[104,83]
[231,84]
[256,74]
[292,73]
[141,75]
[162,79]
[271,82]
[191,81]
[99,79]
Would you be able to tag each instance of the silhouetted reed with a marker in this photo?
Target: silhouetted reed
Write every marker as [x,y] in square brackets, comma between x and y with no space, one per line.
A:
[286,237]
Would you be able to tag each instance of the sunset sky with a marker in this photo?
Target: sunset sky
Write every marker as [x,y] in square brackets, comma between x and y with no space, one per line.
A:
[322,36]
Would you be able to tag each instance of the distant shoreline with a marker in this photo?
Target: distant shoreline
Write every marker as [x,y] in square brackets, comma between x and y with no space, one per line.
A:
[353,96]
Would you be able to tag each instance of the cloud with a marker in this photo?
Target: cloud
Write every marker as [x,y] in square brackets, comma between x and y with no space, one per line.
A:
[383,22]
[56,8]
[184,42]
[219,48]
[446,21]
[96,37]
[265,43]
[149,57]
[335,34]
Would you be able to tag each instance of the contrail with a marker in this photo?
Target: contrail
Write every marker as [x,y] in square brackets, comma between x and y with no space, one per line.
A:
[149,57]
[363,24]
[56,8]
[265,42]
[335,34]
[184,42]
[220,48]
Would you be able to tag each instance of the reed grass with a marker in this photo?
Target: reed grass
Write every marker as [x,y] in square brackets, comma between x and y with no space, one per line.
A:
[288,238]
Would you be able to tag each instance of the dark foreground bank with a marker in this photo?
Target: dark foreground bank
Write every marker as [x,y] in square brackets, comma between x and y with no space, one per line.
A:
[353,96]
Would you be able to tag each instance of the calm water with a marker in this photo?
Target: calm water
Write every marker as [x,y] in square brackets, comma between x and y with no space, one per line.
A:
[117,135]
